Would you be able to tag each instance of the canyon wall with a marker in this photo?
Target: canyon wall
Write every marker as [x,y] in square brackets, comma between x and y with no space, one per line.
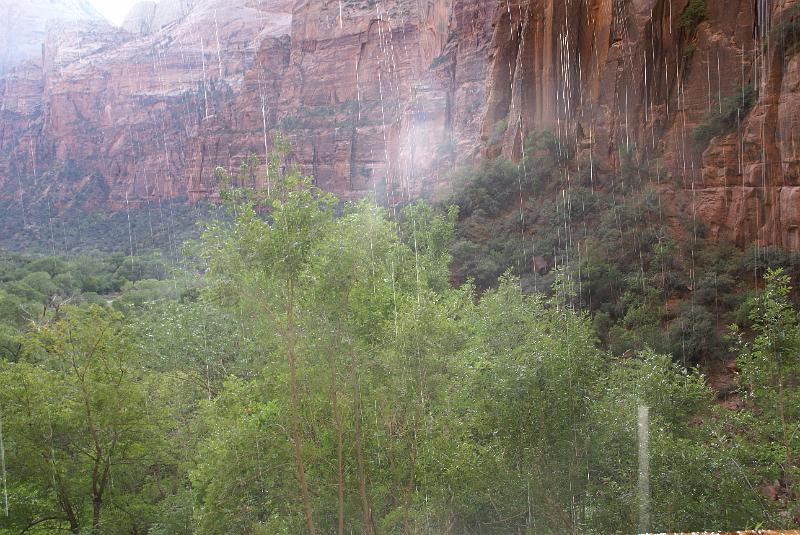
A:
[150,111]
[24,26]
[384,97]
[650,81]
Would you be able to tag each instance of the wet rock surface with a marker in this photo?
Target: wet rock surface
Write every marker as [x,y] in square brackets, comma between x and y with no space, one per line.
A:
[384,98]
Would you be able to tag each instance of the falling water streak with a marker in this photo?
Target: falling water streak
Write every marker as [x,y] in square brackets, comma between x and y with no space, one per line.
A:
[393,71]
[708,76]
[52,232]
[692,272]
[567,197]
[266,146]
[410,179]
[130,228]
[522,148]
[627,131]
[3,468]
[393,77]
[646,99]
[765,47]
[414,222]
[219,50]
[341,20]
[64,232]
[148,191]
[740,140]
[510,69]
[719,85]
[644,468]
[33,162]
[682,108]
[764,170]
[591,154]
[22,200]
[157,72]
[653,64]
[381,45]
[171,239]
[205,85]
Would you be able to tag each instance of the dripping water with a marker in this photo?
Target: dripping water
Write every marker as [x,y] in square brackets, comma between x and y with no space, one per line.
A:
[3,468]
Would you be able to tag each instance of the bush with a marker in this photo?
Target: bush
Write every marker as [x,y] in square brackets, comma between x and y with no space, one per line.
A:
[490,188]
[693,15]
[438,60]
[498,131]
[693,335]
[723,117]
[787,31]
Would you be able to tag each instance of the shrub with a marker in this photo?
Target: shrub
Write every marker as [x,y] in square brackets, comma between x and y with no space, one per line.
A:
[438,60]
[693,15]
[498,131]
[693,334]
[491,187]
[787,31]
[723,117]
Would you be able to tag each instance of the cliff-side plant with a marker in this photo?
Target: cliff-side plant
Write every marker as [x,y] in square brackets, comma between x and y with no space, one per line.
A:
[693,15]
[722,118]
[498,131]
[787,32]
[438,60]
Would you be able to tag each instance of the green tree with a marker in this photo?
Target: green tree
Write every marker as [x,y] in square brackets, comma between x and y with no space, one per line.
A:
[770,369]
[79,412]
[272,254]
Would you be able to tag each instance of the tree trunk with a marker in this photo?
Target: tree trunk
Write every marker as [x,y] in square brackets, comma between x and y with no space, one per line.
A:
[337,417]
[65,504]
[296,435]
[362,475]
[97,506]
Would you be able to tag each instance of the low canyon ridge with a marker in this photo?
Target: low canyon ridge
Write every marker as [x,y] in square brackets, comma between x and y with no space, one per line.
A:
[390,95]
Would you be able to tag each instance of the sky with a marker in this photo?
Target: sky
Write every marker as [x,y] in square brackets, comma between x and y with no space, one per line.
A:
[114,10]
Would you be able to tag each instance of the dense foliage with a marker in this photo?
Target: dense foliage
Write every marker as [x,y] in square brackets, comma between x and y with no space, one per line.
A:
[646,283]
[155,225]
[324,375]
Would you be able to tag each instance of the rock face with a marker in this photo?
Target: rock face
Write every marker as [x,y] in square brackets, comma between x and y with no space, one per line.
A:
[383,97]
[643,80]
[24,25]
[140,18]
[148,17]
[150,112]
[380,99]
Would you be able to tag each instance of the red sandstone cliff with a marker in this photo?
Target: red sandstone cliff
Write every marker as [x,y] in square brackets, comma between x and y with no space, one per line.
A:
[385,96]
[638,76]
